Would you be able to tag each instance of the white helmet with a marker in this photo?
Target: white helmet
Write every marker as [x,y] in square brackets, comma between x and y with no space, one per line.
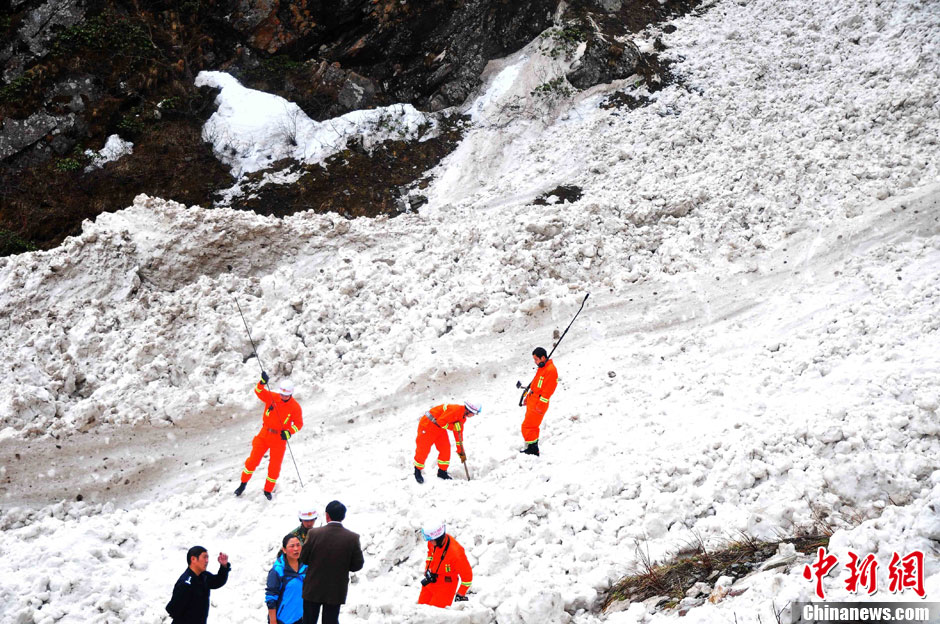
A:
[433,530]
[286,387]
[473,408]
[306,514]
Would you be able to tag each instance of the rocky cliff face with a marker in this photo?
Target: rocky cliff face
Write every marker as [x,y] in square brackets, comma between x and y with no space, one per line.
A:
[75,72]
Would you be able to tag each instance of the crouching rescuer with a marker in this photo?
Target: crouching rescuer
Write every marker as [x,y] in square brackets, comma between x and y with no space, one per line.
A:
[432,431]
[446,565]
[282,419]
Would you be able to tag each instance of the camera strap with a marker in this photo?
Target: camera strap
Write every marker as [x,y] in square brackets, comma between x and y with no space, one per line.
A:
[443,554]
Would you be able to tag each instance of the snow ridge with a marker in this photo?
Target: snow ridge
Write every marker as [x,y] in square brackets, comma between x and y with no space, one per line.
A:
[761,245]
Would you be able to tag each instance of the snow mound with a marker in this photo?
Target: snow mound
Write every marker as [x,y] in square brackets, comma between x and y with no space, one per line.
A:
[251,130]
[759,351]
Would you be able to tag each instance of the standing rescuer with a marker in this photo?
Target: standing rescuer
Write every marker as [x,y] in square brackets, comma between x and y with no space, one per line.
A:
[446,563]
[536,401]
[282,419]
[432,431]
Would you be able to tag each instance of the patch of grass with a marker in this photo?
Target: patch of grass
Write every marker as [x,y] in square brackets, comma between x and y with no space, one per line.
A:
[105,32]
[69,164]
[556,87]
[11,243]
[171,103]
[76,161]
[562,42]
[695,563]
[130,124]
[274,66]
[17,87]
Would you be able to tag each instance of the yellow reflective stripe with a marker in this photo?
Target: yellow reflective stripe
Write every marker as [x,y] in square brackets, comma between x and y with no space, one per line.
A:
[295,428]
[532,441]
[465,584]
[456,426]
[246,471]
[270,480]
[541,379]
[417,465]
[430,558]
[543,399]
[443,463]
[257,390]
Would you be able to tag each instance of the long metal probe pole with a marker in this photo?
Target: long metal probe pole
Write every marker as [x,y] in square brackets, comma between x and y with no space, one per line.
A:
[250,339]
[569,325]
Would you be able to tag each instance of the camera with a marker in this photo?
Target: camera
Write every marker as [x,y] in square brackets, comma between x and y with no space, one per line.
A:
[429,577]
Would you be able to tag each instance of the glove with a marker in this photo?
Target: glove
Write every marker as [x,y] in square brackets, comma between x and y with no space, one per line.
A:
[459,598]
[285,434]
[264,378]
[462,456]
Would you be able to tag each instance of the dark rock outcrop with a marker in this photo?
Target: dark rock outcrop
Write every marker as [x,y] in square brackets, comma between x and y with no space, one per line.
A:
[604,62]
[73,72]
[427,53]
[38,26]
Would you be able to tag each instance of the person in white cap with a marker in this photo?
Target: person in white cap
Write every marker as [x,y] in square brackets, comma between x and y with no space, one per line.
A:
[308,517]
[282,419]
[445,565]
[432,431]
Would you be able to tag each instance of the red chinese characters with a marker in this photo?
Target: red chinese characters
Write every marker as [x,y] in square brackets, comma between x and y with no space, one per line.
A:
[862,572]
[821,568]
[903,572]
[909,575]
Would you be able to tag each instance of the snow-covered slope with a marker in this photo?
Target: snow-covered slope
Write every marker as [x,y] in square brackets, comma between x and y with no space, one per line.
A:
[762,247]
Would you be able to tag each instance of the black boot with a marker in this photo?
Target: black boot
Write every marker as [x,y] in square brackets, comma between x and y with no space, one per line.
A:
[240,489]
[418,477]
[531,449]
[442,474]
[267,495]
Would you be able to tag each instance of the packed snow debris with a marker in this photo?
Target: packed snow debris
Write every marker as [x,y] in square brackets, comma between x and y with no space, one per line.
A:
[762,250]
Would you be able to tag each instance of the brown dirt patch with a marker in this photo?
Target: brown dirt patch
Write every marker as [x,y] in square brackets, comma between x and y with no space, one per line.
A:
[358,183]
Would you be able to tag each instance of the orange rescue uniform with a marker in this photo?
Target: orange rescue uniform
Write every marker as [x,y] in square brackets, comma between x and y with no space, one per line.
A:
[278,415]
[449,561]
[432,430]
[536,402]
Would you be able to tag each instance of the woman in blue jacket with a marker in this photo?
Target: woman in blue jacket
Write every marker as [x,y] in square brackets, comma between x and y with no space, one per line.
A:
[282,594]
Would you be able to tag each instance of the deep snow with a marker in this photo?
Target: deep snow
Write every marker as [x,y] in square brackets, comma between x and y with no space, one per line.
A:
[762,248]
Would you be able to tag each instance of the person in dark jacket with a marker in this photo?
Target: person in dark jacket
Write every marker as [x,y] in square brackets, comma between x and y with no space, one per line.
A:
[190,601]
[330,553]
[282,593]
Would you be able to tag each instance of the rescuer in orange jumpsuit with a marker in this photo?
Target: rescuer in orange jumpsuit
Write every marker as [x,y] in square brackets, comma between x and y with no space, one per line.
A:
[536,401]
[282,419]
[432,430]
[446,562]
